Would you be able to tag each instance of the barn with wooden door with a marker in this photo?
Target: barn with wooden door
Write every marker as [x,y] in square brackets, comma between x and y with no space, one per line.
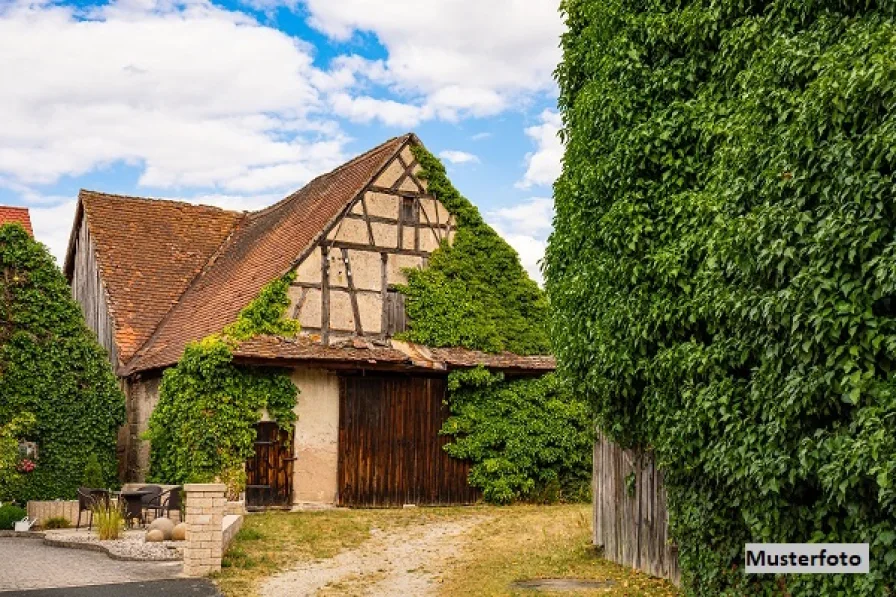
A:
[154,275]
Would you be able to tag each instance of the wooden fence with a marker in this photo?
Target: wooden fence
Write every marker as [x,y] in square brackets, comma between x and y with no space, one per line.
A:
[630,517]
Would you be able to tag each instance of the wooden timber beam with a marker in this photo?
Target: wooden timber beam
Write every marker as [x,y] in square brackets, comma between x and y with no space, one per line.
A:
[393,221]
[389,250]
[356,312]
[325,293]
[401,193]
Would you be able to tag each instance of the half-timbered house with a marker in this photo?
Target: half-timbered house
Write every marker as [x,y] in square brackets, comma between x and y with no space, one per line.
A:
[153,275]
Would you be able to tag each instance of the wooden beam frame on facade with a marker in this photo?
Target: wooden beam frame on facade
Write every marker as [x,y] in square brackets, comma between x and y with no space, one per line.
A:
[356,311]
[366,219]
[389,250]
[399,192]
[325,293]
[384,289]
[297,310]
[394,221]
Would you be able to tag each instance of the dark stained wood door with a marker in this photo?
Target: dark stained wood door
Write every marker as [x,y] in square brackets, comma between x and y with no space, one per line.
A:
[390,450]
[269,471]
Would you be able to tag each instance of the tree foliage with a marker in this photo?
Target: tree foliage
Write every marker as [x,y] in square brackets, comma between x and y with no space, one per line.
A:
[529,438]
[53,369]
[203,427]
[722,269]
[474,293]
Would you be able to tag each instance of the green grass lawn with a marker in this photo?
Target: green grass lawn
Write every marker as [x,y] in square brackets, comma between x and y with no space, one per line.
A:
[512,543]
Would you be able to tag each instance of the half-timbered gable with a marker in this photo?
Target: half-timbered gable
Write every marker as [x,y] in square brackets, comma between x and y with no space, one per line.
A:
[345,285]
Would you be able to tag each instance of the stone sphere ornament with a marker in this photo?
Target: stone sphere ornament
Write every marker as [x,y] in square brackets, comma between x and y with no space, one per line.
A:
[154,536]
[180,532]
[166,525]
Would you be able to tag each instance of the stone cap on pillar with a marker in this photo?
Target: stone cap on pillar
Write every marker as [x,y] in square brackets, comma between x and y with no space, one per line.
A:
[205,487]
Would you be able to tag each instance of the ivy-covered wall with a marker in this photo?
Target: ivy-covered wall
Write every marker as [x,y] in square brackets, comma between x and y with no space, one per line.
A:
[52,368]
[529,439]
[474,293]
[722,270]
[204,424]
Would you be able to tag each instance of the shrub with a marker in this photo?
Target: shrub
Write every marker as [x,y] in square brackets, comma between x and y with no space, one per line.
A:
[528,438]
[9,515]
[108,519]
[53,368]
[57,522]
[722,269]
[93,474]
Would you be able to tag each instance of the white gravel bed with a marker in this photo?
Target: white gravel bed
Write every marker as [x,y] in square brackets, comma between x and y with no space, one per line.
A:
[130,547]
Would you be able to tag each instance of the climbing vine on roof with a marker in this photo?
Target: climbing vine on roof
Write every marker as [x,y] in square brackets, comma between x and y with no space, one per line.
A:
[475,293]
[203,427]
[528,439]
[57,388]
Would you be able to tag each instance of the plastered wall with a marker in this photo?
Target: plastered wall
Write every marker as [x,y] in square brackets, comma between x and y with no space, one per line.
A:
[316,437]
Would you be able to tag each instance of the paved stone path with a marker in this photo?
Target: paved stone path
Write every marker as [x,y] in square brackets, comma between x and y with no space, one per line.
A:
[27,564]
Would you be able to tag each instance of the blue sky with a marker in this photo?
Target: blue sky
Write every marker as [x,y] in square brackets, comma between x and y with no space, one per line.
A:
[239,103]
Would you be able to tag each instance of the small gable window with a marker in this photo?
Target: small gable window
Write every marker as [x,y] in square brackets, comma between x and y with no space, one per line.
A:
[409,214]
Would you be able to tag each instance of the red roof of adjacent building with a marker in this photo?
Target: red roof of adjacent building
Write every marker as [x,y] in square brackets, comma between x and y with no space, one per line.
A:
[16,215]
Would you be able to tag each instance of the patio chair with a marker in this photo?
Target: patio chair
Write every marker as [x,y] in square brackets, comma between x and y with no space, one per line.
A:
[165,502]
[150,497]
[87,499]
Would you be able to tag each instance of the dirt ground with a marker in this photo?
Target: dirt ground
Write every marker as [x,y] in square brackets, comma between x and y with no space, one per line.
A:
[400,562]
[481,551]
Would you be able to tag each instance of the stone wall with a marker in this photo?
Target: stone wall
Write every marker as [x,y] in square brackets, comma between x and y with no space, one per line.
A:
[142,395]
[42,510]
[316,438]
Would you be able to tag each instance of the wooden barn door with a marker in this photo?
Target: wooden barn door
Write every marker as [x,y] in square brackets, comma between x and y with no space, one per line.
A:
[390,450]
[269,471]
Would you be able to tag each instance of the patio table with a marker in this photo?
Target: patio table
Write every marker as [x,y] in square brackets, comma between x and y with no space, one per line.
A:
[133,504]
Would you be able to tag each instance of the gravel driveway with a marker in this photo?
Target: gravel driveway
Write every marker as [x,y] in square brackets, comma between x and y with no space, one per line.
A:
[402,562]
[27,564]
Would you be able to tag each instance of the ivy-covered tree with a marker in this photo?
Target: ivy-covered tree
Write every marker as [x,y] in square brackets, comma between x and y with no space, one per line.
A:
[51,367]
[723,269]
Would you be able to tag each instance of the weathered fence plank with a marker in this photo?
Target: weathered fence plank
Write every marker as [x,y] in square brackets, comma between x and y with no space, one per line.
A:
[630,518]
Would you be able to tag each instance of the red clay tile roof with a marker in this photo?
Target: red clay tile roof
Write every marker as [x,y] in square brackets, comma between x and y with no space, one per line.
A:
[264,245]
[148,251]
[461,357]
[19,215]
[308,348]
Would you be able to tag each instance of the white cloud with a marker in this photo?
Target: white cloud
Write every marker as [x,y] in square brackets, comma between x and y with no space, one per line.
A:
[526,227]
[458,157]
[196,95]
[53,225]
[450,58]
[366,109]
[544,164]
[480,136]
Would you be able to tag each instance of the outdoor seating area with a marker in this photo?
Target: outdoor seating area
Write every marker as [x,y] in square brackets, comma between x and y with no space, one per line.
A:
[139,506]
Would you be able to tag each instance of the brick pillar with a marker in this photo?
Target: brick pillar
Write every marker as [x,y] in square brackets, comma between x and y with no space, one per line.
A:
[204,518]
